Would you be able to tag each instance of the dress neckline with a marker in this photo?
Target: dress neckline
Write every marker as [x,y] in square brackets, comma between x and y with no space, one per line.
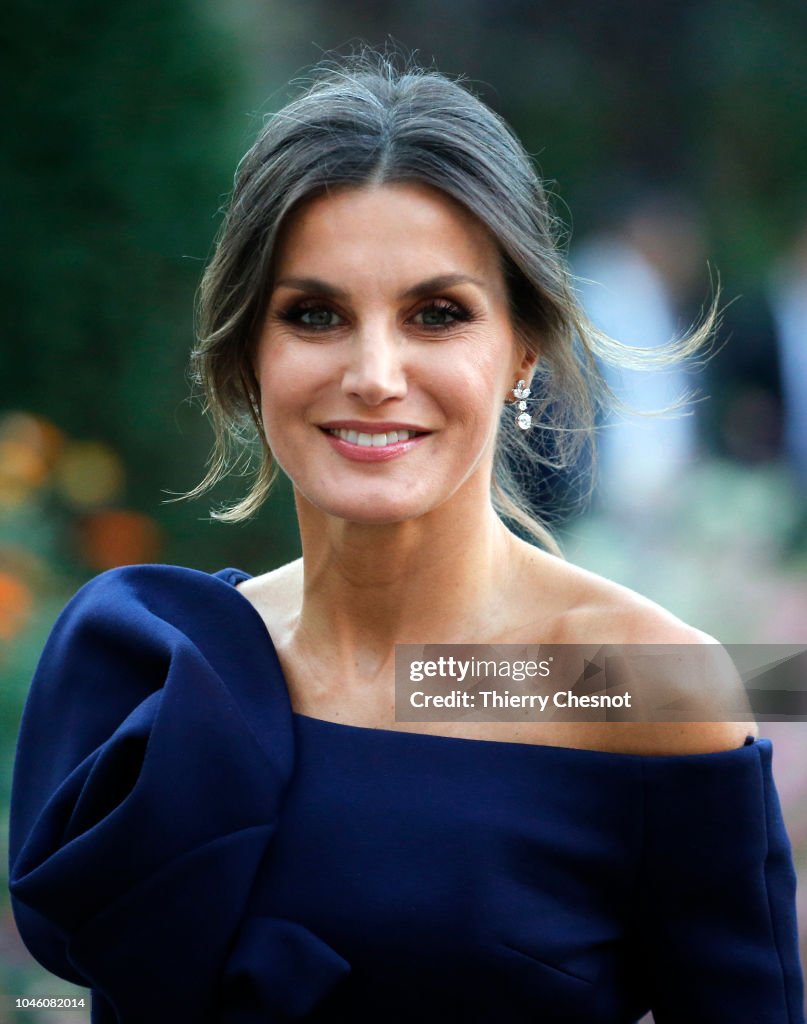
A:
[364,731]
[231,576]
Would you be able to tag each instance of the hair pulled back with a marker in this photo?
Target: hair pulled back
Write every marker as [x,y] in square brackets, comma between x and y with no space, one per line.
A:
[363,120]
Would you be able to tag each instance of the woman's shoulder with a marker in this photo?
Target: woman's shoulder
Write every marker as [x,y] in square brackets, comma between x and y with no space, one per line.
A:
[135,582]
[277,597]
[156,610]
[659,650]
[599,610]
[577,606]
[149,583]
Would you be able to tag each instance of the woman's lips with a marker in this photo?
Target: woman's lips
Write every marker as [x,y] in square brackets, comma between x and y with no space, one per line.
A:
[372,453]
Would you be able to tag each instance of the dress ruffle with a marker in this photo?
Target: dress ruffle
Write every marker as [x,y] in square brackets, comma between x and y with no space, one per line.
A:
[146,795]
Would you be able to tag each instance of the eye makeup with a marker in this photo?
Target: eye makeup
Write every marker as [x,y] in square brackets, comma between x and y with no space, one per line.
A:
[296,311]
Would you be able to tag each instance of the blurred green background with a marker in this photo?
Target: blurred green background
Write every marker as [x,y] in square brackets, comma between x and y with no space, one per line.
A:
[123,130]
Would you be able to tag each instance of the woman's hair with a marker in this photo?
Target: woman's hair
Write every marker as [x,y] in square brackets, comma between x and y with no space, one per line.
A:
[362,120]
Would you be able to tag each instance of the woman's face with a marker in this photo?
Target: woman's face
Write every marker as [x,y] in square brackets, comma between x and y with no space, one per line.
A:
[386,353]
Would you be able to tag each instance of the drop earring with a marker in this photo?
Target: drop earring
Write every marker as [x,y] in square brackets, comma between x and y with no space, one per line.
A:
[522,393]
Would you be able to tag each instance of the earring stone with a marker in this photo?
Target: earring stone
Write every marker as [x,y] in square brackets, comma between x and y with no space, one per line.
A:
[522,393]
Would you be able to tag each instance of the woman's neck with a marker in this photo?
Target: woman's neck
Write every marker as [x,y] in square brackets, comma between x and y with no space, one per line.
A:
[441,578]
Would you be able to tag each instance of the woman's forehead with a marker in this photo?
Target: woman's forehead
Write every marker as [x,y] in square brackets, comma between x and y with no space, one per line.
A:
[398,229]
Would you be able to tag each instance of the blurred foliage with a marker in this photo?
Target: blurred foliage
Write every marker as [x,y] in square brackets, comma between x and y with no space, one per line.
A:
[120,149]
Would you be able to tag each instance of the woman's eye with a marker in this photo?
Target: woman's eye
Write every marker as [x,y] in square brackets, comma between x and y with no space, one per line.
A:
[316,316]
[441,314]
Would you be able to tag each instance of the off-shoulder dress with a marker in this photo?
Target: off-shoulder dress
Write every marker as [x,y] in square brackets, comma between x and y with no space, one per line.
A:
[190,848]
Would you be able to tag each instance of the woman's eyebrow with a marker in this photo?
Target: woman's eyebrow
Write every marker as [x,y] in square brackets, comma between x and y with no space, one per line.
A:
[315,284]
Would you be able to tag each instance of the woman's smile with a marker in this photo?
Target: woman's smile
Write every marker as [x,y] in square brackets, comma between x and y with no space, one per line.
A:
[362,446]
[372,441]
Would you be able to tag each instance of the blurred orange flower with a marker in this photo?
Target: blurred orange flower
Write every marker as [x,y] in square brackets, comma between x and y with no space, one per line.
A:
[117,536]
[29,448]
[89,474]
[16,603]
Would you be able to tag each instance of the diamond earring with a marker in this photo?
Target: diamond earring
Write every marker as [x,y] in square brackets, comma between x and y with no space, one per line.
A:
[522,393]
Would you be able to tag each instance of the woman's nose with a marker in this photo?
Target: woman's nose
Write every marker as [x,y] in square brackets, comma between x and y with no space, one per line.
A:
[375,370]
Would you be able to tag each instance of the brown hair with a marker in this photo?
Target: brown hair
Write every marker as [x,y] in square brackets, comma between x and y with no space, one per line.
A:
[361,120]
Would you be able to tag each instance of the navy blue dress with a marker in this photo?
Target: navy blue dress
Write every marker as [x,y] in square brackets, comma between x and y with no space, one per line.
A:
[194,851]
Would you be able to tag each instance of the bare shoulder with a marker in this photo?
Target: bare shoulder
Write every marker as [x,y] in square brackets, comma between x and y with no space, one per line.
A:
[276,596]
[664,654]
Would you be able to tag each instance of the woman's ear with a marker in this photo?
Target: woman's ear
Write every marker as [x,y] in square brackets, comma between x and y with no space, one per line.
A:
[529,360]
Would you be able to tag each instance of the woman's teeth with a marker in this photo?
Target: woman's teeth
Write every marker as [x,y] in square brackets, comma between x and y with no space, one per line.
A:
[373,440]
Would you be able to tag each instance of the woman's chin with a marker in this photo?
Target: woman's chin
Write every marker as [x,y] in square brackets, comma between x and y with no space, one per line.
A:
[369,511]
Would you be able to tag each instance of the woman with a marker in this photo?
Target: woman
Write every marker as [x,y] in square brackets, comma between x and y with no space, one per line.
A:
[216,815]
